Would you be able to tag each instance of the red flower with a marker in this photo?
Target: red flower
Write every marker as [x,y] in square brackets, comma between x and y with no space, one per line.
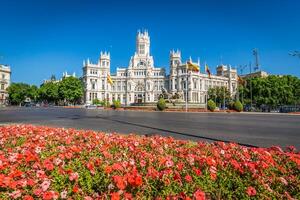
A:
[251,191]
[75,189]
[119,182]
[199,195]
[115,196]
[49,195]
[28,197]
[108,169]
[128,196]
[138,181]
[188,178]
[197,171]
[48,165]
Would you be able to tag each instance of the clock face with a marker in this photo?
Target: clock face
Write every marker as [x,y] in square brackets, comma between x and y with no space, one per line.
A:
[141,64]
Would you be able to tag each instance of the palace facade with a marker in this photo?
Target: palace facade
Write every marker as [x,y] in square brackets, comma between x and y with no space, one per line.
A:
[4,82]
[142,82]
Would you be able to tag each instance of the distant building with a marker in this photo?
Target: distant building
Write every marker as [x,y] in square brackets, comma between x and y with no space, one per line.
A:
[260,74]
[54,80]
[4,82]
[142,82]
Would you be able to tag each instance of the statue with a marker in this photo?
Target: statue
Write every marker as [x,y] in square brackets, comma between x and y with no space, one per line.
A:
[178,96]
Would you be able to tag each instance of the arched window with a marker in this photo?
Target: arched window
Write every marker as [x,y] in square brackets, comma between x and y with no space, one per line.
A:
[129,86]
[148,86]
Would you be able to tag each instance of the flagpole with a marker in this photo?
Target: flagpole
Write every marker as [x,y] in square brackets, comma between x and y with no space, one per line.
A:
[204,86]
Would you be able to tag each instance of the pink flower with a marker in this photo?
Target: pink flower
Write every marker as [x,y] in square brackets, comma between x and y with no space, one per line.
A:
[64,194]
[15,194]
[283,181]
[169,163]
[57,161]
[73,176]
[37,192]
[45,185]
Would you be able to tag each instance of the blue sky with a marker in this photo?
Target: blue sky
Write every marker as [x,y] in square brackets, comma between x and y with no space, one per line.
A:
[40,38]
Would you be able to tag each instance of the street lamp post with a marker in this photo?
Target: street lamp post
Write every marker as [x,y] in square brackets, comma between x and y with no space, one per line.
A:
[241,73]
[250,87]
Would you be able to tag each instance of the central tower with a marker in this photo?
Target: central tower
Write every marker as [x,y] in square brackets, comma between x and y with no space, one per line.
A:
[143,43]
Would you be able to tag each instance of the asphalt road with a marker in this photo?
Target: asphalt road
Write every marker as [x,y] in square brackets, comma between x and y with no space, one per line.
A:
[249,129]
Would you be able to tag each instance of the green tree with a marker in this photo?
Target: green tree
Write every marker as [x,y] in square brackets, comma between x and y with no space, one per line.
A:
[70,90]
[49,92]
[271,91]
[18,92]
[218,94]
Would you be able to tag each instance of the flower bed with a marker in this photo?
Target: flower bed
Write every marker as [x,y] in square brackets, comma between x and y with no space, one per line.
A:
[51,163]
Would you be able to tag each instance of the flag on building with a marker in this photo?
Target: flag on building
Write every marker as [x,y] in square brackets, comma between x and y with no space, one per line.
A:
[207,70]
[109,79]
[192,66]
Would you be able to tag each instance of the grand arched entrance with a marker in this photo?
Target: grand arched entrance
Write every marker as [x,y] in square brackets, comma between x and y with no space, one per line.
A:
[139,93]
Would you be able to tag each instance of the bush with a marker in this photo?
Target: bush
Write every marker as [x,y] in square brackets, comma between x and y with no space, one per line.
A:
[211,105]
[105,103]
[231,105]
[238,106]
[116,104]
[96,101]
[161,104]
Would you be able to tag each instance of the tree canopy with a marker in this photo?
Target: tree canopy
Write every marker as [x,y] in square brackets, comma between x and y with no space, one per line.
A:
[49,92]
[271,91]
[217,94]
[70,89]
[18,92]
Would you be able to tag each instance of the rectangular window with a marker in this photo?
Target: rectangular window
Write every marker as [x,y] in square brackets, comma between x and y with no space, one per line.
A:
[142,48]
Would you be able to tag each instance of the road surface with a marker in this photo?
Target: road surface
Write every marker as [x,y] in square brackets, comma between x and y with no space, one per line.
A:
[262,130]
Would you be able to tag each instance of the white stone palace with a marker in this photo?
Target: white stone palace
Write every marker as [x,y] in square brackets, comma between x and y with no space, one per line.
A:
[4,83]
[142,82]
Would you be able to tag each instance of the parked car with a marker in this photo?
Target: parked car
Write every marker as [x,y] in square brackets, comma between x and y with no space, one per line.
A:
[90,106]
[29,104]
